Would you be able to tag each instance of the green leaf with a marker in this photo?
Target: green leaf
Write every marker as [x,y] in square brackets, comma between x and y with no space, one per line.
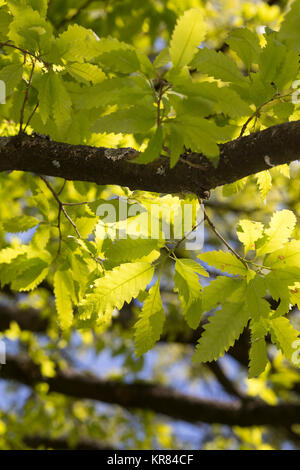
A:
[63,300]
[205,98]
[122,251]
[11,75]
[289,31]
[220,290]
[116,287]
[154,148]
[248,233]
[33,272]
[163,58]
[223,329]
[78,44]
[277,64]
[149,326]
[257,306]
[258,352]
[201,135]
[264,181]
[29,30]
[186,283]
[283,334]
[86,72]
[9,254]
[54,98]
[226,262]
[138,119]
[218,65]
[5,20]
[189,32]
[175,143]
[120,60]
[246,44]
[20,224]
[233,188]
[122,91]
[280,229]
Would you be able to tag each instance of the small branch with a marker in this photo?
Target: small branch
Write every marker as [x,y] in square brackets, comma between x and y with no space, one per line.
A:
[61,209]
[31,116]
[26,97]
[227,384]
[238,158]
[217,233]
[25,53]
[157,398]
[65,21]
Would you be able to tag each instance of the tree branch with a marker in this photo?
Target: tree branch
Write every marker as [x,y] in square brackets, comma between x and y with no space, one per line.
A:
[152,397]
[61,443]
[239,158]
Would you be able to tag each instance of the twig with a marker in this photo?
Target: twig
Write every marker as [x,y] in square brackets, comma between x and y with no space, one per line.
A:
[31,116]
[26,97]
[61,206]
[217,233]
[36,57]
[61,209]
[257,111]
[65,21]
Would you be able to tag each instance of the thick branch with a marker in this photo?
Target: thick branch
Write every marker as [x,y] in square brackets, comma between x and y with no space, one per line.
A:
[27,319]
[60,443]
[239,158]
[152,397]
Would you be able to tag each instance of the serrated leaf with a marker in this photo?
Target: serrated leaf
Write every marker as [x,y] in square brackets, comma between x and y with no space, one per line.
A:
[218,65]
[138,119]
[189,32]
[289,31]
[153,150]
[257,306]
[284,335]
[11,75]
[246,44]
[122,91]
[277,64]
[116,287]
[163,58]
[9,254]
[264,181]
[258,358]
[63,300]
[54,98]
[33,272]
[248,233]
[176,142]
[233,188]
[186,282]
[149,326]
[120,60]
[280,229]
[226,262]
[86,72]
[122,251]
[20,224]
[220,290]
[223,329]
[78,44]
